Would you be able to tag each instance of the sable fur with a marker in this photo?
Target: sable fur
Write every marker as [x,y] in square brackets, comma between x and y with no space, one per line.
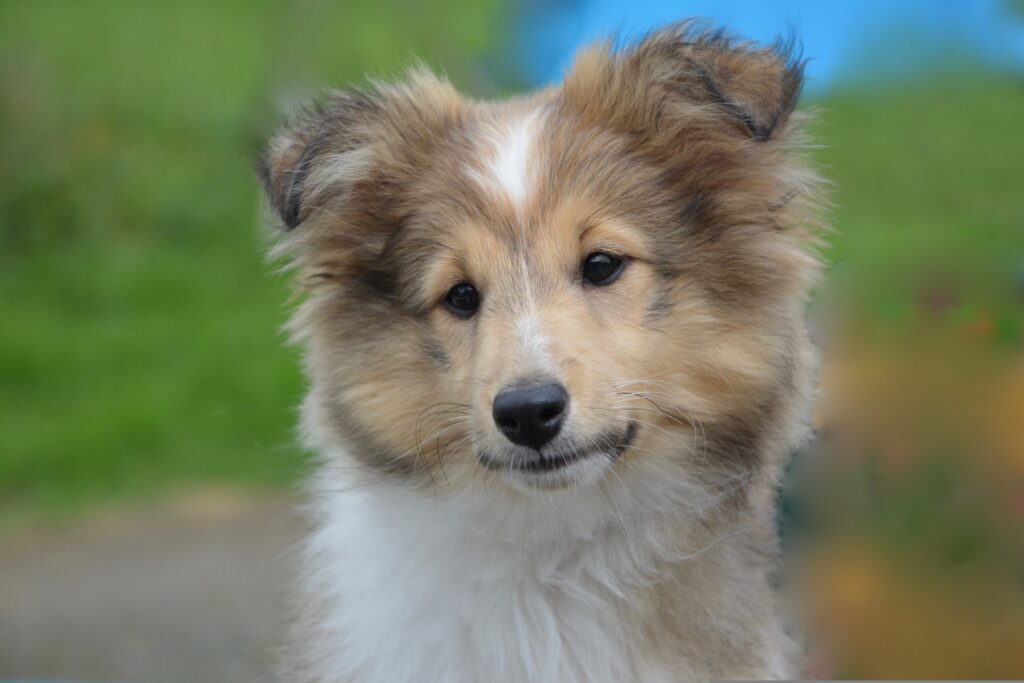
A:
[681,153]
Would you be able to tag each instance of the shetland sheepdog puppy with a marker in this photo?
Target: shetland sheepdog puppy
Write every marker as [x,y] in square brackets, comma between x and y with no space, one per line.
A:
[557,358]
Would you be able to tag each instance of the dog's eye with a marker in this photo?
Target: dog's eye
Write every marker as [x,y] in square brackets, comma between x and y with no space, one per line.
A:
[462,300]
[601,269]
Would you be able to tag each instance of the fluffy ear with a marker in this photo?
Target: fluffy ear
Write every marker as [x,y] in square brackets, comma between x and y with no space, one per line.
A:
[355,144]
[756,88]
[760,87]
[292,169]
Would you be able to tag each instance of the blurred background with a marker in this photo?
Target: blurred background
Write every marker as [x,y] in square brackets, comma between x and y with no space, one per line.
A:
[147,465]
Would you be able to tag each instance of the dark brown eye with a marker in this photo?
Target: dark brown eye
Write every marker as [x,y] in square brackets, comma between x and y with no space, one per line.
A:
[601,269]
[463,300]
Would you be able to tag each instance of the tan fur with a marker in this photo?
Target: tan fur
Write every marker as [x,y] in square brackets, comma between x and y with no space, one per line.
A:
[681,154]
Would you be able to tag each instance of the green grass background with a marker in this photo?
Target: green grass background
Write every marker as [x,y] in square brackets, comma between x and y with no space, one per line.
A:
[140,347]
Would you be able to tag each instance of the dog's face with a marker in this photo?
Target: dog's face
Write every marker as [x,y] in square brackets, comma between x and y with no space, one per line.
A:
[558,288]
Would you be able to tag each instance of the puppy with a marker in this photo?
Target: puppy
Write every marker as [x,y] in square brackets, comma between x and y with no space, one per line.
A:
[557,358]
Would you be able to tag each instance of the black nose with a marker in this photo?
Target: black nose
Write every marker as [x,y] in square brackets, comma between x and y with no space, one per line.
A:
[530,416]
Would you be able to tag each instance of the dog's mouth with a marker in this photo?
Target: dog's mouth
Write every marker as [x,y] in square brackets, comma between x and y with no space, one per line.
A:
[610,445]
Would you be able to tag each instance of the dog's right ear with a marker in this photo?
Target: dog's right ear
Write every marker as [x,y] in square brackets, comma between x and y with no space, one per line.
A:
[358,148]
[311,158]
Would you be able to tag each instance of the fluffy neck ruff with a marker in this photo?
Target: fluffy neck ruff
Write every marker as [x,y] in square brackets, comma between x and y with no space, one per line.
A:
[650,581]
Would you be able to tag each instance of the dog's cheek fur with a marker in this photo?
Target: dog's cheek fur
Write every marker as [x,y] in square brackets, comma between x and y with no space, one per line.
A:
[361,357]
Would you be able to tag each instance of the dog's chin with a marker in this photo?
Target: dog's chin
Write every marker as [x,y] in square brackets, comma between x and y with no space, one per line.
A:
[574,468]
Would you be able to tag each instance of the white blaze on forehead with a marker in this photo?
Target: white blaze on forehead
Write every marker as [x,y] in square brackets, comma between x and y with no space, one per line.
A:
[511,166]
[508,169]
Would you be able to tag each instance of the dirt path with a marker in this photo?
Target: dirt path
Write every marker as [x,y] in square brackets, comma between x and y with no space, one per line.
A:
[187,591]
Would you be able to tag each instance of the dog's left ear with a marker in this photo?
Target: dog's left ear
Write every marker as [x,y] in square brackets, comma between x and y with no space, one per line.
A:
[672,74]
[760,87]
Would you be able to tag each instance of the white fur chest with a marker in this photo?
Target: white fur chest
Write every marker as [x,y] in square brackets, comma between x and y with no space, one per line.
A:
[411,588]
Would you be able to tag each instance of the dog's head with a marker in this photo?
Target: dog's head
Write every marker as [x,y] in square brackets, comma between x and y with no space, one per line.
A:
[560,287]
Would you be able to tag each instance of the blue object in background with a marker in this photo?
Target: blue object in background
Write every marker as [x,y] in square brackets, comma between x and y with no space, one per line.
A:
[845,41]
